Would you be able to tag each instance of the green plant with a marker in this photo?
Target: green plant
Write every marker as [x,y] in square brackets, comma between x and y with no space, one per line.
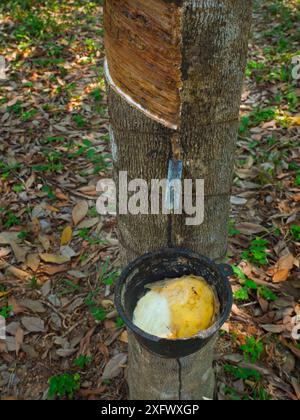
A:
[16,108]
[23,234]
[97,94]
[49,167]
[254,68]
[3,288]
[50,194]
[243,293]
[232,231]
[64,386]
[82,361]
[253,349]
[70,287]
[243,373]
[54,50]
[266,293]
[7,169]
[262,115]
[119,322]
[238,272]
[97,158]
[107,277]
[249,285]
[255,118]
[27,116]
[232,394]
[11,220]
[106,381]
[5,312]
[261,394]
[244,125]
[33,283]
[17,188]
[50,140]
[93,212]
[295,231]
[98,313]
[257,252]
[79,121]
[85,235]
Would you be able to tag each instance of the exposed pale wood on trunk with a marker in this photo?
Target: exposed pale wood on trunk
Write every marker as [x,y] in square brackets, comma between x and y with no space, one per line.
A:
[214,50]
[143,50]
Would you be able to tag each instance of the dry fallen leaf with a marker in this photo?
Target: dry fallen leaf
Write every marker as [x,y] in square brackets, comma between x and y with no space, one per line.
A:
[33,324]
[60,195]
[80,211]
[33,305]
[7,237]
[33,261]
[114,366]
[296,386]
[66,236]
[87,224]
[45,241]
[30,181]
[20,253]
[68,252]
[54,259]
[4,252]
[19,339]
[296,198]
[54,269]
[88,190]
[77,274]
[124,337]
[275,329]
[3,75]
[283,268]
[238,201]
[3,347]
[20,274]
[295,120]
[250,228]
[294,349]
[65,352]
[16,307]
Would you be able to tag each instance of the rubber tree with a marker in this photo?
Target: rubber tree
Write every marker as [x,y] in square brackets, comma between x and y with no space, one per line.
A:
[174,72]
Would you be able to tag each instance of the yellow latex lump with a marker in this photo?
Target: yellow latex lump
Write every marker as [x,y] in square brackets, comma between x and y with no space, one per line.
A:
[177,308]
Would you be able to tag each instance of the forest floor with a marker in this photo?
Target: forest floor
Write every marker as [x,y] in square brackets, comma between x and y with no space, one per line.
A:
[59,258]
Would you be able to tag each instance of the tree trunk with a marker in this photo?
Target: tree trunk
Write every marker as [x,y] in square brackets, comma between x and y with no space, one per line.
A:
[175,68]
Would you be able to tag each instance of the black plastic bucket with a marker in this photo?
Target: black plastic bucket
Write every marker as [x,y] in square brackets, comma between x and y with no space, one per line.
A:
[172,263]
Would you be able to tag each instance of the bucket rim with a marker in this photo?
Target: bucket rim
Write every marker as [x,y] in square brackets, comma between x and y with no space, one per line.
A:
[202,335]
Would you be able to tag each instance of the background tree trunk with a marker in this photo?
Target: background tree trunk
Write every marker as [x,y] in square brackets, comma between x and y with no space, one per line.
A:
[212,38]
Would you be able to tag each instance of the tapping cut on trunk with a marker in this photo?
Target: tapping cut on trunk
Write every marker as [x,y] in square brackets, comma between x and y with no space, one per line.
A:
[143,53]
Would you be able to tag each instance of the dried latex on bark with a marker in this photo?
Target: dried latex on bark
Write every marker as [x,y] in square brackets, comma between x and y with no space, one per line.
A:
[177,308]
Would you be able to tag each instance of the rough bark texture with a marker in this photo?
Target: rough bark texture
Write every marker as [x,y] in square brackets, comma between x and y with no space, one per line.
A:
[214,49]
[188,378]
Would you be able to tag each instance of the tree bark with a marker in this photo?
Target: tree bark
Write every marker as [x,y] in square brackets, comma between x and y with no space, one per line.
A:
[212,38]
